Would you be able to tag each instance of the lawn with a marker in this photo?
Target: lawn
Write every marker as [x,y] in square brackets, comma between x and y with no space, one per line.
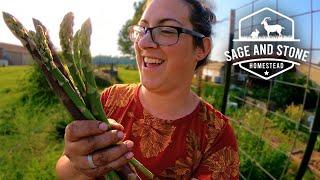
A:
[31,135]
[29,147]
[10,78]
[128,75]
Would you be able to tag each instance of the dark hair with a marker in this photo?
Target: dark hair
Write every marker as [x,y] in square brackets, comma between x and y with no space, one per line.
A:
[202,18]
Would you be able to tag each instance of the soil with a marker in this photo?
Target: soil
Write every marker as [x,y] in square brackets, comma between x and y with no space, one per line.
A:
[314,163]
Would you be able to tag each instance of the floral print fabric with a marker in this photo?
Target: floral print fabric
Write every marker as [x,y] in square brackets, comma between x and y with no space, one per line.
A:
[200,145]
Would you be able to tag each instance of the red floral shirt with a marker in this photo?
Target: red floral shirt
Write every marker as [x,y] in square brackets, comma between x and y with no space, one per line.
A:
[200,145]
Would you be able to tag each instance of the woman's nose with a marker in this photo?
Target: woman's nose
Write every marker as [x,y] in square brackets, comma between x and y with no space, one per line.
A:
[146,41]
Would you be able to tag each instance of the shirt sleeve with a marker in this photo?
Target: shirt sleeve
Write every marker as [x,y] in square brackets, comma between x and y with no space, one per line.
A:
[104,95]
[221,160]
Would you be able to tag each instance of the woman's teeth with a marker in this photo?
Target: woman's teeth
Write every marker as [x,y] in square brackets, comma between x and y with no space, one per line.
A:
[152,62]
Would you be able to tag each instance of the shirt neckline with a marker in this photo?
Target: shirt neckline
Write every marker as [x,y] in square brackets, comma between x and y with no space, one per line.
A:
[189,116]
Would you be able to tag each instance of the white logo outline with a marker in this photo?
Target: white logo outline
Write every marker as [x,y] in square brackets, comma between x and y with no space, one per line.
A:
[266,59]
[268,39]
[254,37]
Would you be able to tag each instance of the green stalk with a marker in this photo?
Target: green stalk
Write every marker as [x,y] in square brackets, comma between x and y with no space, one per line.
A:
[56,58]
[58,82]
[112,176]
[141,168]
[66,41]
[87,69]
[76,52]
[45,53]
[93,95]
[23,35]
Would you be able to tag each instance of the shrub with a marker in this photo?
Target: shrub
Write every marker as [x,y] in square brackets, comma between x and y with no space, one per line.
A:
[292,114]
[102,80]
[213,94]
[7,116]
[272,160]
[36,89]
[284,95]
[60,127]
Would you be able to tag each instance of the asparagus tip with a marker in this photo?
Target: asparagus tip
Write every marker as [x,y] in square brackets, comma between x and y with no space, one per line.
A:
[36,22]
[6,15]
[86,27]
[70,14]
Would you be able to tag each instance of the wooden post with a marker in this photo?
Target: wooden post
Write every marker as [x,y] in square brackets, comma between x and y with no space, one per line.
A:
[228,64]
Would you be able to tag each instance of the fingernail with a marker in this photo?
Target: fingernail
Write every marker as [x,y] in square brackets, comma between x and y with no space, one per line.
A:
[103,126]
[129,155]
[120,134]
[129,144]
[132,176]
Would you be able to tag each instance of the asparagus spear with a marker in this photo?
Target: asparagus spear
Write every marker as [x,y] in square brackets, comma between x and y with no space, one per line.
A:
[77,52]
[87,69]
[55,56]
[45,53]
[93,95]
[66,41]
[22,34]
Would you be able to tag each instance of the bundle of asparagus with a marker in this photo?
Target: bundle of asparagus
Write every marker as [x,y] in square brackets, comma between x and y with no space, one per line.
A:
[77,92]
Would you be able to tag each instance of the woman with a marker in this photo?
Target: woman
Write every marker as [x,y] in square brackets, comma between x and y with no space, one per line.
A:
[161,121]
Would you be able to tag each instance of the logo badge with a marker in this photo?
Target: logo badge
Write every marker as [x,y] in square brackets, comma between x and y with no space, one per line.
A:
[266,52]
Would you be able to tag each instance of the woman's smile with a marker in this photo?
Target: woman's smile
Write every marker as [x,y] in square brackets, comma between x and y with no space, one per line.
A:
[150,62]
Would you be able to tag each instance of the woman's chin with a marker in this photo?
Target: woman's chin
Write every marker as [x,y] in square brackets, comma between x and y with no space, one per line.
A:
[151,85]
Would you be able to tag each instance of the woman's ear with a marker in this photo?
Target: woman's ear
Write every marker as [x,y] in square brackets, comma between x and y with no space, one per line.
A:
[202,52]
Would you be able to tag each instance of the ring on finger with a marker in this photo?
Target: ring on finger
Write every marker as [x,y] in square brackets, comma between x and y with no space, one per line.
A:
[90,162]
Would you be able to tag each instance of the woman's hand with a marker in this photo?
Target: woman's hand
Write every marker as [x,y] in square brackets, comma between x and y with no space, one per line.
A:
[91,137]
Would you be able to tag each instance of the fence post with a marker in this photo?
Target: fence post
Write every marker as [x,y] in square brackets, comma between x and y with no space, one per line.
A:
[312,140]
[228,63]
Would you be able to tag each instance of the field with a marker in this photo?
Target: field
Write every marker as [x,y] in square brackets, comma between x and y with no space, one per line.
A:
[128,75]
[10,77]
[31,135]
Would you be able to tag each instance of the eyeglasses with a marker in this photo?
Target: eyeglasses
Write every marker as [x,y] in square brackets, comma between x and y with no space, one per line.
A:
[161,35]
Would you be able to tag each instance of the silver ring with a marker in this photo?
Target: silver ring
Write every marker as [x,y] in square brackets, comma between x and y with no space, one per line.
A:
[90,162]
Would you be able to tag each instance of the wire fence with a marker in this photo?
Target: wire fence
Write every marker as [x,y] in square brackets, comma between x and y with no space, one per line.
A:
[275,119]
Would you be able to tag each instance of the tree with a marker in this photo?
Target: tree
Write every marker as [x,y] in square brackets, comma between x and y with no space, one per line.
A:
[125,45]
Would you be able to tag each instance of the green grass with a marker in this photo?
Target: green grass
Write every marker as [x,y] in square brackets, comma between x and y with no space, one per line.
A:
[10,78]
[28,132]
[29,148]
[128,76]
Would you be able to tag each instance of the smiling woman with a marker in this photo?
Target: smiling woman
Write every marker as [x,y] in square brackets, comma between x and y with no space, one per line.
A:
[159,121]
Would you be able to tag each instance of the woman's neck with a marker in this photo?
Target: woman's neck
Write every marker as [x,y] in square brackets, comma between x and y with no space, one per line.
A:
[169,106]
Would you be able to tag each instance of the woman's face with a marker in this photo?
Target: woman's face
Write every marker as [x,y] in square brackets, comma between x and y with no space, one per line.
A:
[166,68]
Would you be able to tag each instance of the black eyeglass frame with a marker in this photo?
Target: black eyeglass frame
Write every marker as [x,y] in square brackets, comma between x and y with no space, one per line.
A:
[179,30]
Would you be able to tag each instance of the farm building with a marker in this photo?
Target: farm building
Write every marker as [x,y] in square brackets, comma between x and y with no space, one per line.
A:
[214,71]
[14,54]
